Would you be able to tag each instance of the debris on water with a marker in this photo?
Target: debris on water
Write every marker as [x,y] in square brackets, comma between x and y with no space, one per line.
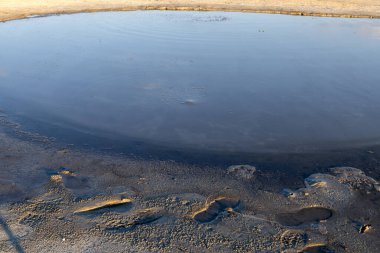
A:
[211,19]
[189,102]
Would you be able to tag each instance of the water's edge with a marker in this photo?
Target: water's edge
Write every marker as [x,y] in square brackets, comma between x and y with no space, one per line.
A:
[177,7]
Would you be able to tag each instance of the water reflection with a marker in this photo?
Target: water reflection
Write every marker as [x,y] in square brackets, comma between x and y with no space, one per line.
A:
[235,82]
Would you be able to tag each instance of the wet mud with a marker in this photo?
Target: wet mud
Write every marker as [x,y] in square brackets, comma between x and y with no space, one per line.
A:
[88,201]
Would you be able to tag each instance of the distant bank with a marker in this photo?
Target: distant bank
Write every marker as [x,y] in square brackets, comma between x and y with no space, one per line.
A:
[17,9]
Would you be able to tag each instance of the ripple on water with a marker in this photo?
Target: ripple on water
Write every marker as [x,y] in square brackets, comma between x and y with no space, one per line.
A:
[126,76]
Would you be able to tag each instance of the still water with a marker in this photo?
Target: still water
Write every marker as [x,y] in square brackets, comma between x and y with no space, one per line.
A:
[214,81]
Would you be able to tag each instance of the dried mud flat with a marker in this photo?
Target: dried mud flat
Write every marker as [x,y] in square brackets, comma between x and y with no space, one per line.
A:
[55,199]
[16,9]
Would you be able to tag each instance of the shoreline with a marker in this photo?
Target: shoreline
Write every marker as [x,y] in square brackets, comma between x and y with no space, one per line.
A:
[12,10]
[74,201]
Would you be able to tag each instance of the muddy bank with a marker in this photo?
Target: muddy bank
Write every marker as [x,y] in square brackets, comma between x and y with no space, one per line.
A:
[61,199]
[11,9]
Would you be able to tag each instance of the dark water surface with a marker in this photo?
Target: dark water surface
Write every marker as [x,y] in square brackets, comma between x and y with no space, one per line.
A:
[207,81]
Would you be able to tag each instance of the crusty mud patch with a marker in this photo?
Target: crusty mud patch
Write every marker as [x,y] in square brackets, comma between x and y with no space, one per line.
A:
[293,239]
[138,218]
[244,171]
[356,180]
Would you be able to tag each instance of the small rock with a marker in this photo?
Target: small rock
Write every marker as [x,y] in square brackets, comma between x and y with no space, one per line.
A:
[365,228]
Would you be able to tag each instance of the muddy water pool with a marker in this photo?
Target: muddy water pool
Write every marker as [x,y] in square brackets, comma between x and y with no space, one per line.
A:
[205,81]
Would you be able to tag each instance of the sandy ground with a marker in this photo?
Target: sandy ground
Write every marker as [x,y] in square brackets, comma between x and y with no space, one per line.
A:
[15,9]
[62,199]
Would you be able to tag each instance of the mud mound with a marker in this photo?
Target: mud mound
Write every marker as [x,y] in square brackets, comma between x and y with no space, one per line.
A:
[337,190]
[242,171]
[212,210]
[31,219]
[356,179]
[293,239]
